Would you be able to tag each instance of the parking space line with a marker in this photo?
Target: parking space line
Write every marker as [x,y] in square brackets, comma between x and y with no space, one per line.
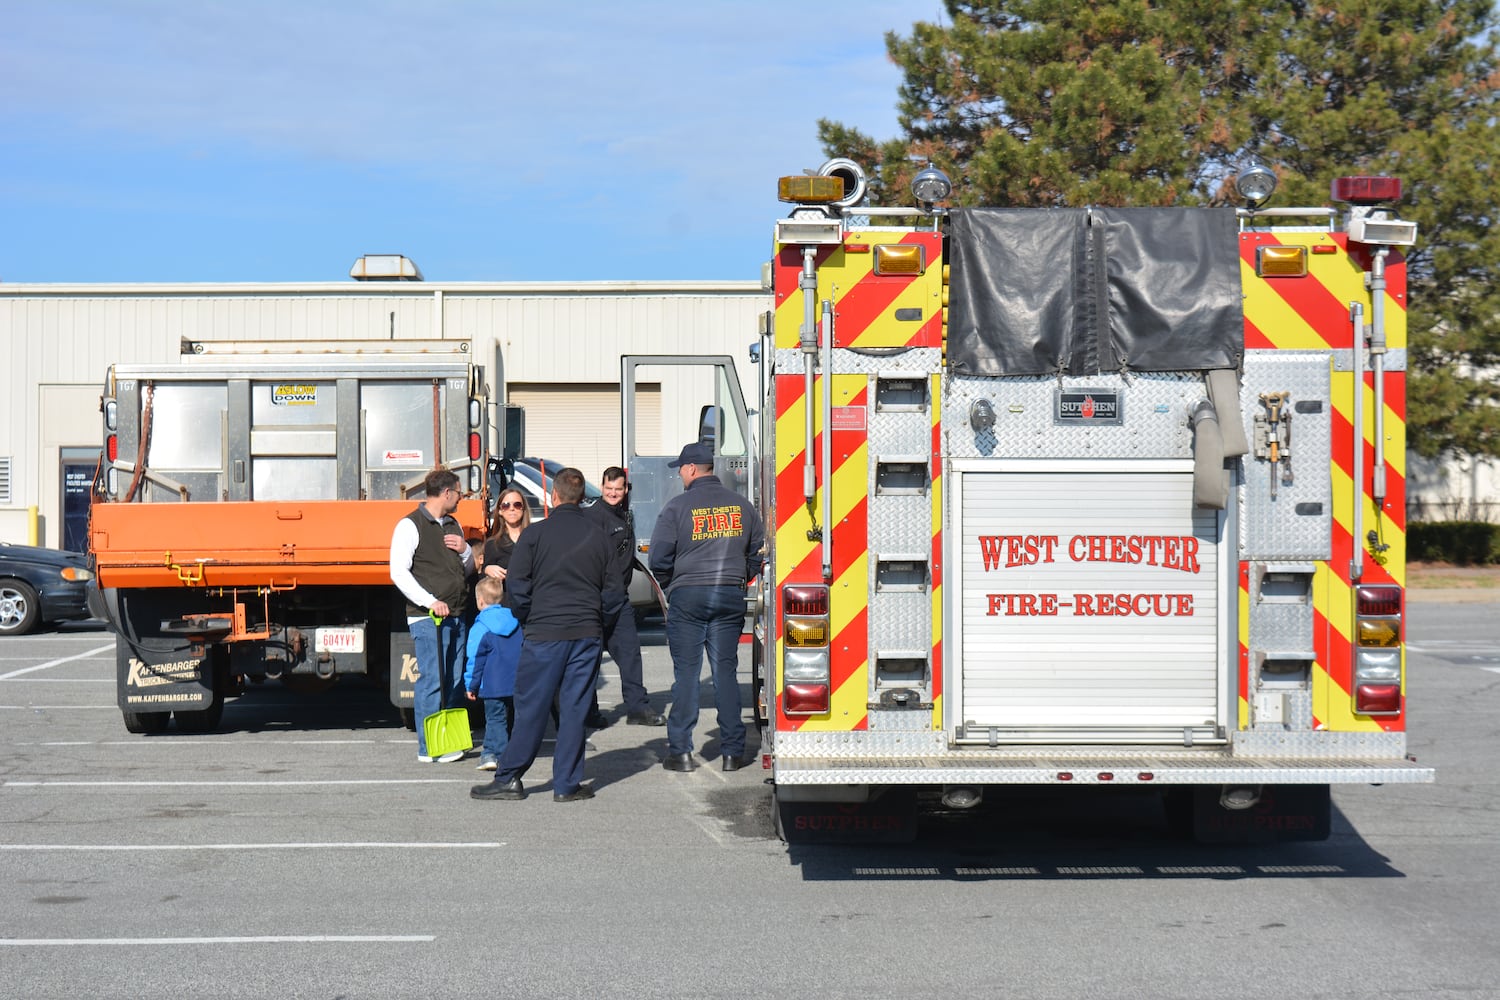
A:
[7,783]
[268,939]
[331,845]
[56,663]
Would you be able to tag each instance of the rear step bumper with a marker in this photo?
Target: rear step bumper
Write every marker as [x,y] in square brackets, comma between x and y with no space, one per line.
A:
[1133,766]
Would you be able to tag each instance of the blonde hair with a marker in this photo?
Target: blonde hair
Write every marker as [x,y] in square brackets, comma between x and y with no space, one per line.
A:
[498,524]
[489,590]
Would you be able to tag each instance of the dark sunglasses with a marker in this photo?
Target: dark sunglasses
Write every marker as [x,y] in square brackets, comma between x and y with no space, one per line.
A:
[510,504]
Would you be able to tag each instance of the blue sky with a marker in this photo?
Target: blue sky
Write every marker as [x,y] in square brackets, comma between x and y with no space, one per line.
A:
[198,140]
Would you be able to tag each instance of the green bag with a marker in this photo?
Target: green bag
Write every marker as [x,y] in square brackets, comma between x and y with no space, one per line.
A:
[447,732]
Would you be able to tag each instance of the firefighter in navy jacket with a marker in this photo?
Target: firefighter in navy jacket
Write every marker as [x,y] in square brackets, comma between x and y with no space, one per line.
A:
[706,546]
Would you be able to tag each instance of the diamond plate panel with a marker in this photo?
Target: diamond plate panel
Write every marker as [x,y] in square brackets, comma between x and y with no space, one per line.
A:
[916,720]
[1298,522]
[926,360]
[1155,409]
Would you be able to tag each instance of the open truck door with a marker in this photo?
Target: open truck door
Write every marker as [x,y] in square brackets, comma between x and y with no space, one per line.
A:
[667,400]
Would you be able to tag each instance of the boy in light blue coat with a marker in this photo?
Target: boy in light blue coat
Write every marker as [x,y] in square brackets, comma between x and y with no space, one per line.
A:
[490,675]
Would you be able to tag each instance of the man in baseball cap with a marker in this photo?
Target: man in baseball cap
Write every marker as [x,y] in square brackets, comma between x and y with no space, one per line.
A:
[693,454]
[706,545]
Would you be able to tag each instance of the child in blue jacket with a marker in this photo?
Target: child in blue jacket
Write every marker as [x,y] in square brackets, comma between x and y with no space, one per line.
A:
[494,649]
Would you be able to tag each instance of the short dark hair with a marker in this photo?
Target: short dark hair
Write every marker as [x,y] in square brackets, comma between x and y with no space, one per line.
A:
[567,486]
[440,480]
[613,472]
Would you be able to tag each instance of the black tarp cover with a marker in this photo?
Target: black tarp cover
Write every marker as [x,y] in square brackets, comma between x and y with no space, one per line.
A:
[1080,291]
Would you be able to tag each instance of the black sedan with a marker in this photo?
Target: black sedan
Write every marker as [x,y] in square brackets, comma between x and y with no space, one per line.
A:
[41,585]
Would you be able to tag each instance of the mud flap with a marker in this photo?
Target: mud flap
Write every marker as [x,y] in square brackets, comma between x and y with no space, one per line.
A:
[403,669]
[887,818]
[176,679]
[1284,813]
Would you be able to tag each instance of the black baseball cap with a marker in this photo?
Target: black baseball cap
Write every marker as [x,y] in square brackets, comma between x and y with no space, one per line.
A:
[693,454]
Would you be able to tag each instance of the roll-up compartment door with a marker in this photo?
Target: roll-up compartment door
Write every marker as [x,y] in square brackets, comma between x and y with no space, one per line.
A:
[1089,605]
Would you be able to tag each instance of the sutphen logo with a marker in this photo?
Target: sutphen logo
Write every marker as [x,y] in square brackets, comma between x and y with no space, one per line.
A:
[1087,406]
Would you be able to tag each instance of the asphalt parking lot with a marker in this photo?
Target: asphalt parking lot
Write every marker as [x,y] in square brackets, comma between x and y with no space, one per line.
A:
[303,852]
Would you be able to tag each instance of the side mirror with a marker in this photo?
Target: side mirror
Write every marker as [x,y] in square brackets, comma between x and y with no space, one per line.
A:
[710,419]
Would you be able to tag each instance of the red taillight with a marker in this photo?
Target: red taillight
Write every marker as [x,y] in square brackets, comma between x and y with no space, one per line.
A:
[1377,649]
[804,699]
[1366,190]
[1377,699]
[1378,600]
[804,600]
[473,446]
[112,447]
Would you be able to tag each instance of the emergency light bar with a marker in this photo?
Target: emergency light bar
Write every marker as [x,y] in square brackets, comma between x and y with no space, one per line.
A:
[1366,190]
[803,190]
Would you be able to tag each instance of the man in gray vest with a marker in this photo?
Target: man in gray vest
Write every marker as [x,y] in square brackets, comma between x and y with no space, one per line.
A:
[430,564]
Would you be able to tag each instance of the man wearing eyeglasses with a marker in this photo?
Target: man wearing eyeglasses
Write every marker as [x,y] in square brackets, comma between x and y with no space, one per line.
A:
[430,564]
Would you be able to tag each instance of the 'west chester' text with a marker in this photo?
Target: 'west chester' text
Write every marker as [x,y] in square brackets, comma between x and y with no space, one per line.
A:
[1179,552]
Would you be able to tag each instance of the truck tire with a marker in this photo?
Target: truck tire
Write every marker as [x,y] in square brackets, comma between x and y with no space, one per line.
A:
[19,608]
[204,720]
[148,723]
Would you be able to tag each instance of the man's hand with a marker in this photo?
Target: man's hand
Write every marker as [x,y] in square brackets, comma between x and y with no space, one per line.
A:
[455,542]
[440,608]
[470,695]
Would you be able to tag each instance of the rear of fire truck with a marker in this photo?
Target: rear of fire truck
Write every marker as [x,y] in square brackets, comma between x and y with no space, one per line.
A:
[242,520]
[1083,497]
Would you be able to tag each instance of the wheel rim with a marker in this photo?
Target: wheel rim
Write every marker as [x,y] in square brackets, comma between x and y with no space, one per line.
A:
[12,608]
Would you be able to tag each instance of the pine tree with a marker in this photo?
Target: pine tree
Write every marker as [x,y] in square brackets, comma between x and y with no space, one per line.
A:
[1036,103]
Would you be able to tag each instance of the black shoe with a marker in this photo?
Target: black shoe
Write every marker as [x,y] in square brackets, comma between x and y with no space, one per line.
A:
[576,795]
[678,762]
[497,790]
[596,720]
[645,719]
[737,762]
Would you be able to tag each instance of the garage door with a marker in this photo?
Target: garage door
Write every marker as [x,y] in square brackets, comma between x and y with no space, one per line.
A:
[579,423]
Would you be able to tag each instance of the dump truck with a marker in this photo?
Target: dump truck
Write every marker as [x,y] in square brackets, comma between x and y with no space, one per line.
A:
[242,518]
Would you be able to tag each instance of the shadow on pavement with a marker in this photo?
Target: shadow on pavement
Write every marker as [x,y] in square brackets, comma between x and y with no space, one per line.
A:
[1064,834]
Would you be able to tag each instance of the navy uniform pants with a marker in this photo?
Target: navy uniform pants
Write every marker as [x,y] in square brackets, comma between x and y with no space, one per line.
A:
[563,670]
[623,641]
[705,618]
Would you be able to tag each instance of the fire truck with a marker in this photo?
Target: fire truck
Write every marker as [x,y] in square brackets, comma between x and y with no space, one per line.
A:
[243,514]
[1082,497]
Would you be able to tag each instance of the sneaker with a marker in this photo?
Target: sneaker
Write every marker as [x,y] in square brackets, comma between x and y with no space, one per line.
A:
[423,758]
[486,764]
[449,758]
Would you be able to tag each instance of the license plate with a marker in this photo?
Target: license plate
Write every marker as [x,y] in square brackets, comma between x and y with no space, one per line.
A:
[340,640]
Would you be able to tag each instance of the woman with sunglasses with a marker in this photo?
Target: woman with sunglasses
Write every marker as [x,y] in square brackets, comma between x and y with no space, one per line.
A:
[512,515]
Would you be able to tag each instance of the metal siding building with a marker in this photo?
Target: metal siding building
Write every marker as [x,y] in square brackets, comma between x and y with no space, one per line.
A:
[553,346]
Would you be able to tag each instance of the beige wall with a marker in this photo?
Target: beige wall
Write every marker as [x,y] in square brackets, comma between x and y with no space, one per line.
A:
[57,342]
